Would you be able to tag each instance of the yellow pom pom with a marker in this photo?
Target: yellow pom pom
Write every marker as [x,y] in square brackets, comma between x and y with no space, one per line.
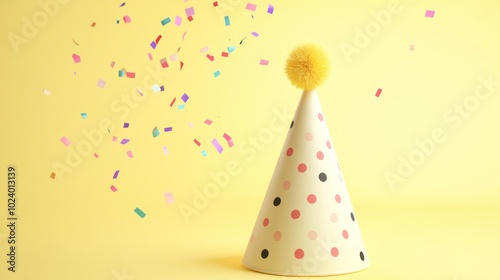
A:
[307,66]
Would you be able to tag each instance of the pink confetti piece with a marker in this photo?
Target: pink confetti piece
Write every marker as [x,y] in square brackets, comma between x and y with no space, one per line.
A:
[113,188]
[127,19]
[190,18]
[207,122]
[76,58]
[224,54]
[215,4]
[173,57]
[228,139]
[264,62]
[217,146]
[163,62]
[150,56]
[101,83]
[412,47]
[65,141]
[46,92]
[255,34]
[169,197]
[251,7]
[184,35]
[379,91]
[116,174]
[114,139]
[204,49]
[112,64]
[270,9]
[131,75]
[165,150]
[96,155]
[191,125]
[429,13]
[124,141]
[129,154]
[189,11]
[210,57]
[197,142]
[178,20]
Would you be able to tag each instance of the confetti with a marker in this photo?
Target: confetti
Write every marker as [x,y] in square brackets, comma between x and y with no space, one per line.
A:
[173,101]
[153,45]
[210,57]
[139,91]
[162,88]
[178,20]
[76,58]
[241,42]
[84,115]
[115,138]
[189,11]
[101,83]
[121,73]
[139,212]
[412,47]
[93,24]
[185,97]
[191,125]
[157,40]
[270,9]
[228,139]
[163,62]
[127,19]
[379,91]
[96,155]
[156,132]
[429,13]
[216,73]
[126,125]
[165,150]
[156,88]
[131,75]
[150,56]
[197,142]
[251,7]
[215,4]
[52,175]
[129,154]
[264,62]
[204,153]
[167,129]
[112,64]
[123,4]
[208,122]
[190,18]
[46,92]
[116,174]
[169,197]
[226,21]
[231,49]
[65,141]
[75,42]
[174,57]
[124,141]
[255,34]
[224,54]
[217,146]
[184,35]
[165,21]
[204,49]
[113,188]
[182,65]
[181,106]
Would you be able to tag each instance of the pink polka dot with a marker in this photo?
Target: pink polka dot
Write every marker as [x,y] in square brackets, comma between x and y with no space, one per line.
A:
[302,167]
[312,235]
[345,234]
[277,235]
[311,198]
[340,178]
[289,152]
[265,222]
[328,144]
[337,198]
[299,253]
[309,136]
[252,238]
[334,218]
[320,155]
[334,251]
[295,214]
[320,117]
[287,185]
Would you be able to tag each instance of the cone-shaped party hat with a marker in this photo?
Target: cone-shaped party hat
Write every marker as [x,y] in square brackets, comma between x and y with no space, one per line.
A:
[306,225]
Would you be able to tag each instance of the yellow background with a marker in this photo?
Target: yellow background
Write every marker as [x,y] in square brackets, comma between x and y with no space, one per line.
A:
[440,222]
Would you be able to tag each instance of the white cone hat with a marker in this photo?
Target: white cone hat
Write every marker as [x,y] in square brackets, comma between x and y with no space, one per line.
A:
[306,225]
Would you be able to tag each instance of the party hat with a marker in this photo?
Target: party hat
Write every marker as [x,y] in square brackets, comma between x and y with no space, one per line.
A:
[306,225]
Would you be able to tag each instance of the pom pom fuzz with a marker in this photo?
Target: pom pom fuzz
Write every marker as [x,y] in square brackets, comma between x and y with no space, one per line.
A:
[307,66]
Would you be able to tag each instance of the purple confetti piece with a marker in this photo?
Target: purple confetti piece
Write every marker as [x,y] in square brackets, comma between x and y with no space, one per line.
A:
[270,9]
[116,174]
[217,146]
[167,129]
[124,141]
[185,97]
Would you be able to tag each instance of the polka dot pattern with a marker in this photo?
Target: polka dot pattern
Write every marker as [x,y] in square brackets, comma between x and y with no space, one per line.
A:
[337,198]
[277,235]
[320,155]
[345,234]
[334,218]
[322,177]
[352,217]
[265,222]
[328,145]
[289,152]
[309,136]
[302,167]
[334,251]
[311,198]
[264,254]
[277,201]
[299,254]
[362,255]
[312,235]
[295,214]
[320,117]
[291,124]
[287,185]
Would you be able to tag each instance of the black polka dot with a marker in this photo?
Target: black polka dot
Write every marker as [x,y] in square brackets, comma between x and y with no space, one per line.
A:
[352,217]
[277,201]
[264,254]
[361,255]
[322,177]
[291,125]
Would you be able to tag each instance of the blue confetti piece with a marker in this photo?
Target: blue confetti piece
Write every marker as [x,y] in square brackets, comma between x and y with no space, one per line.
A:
[84,115]
[231,49]
[226,20]
[139,212]
[204,153]
[166,21]
[181,106]
[216,73]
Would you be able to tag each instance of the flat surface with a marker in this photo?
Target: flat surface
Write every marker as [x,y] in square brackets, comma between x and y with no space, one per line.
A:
[412,107]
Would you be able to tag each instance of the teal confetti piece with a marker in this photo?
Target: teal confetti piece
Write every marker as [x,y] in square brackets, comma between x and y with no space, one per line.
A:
[216,73]
[139,212]
[166,21]
[84,115]
[204,153]
[231,49]
[121,73]
[226,20]
[181,106]
[156,132]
